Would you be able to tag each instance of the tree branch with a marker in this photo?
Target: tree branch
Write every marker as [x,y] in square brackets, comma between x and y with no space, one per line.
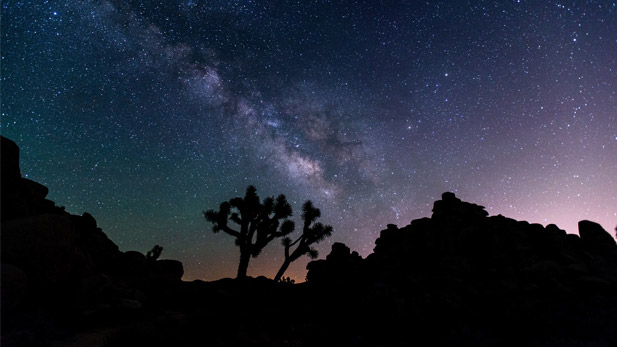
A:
[231,232]
[287,252]
[293,243]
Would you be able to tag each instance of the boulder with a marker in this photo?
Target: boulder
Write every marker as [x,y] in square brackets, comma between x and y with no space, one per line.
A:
[9,154]
[93,240]
[14,284]
[45,247]
[12,206]
[86,221]
[451,207]
[339,252]
[594,235]
[101,293]
[341,265]
[460,242]
[131,264]
[34,190]
[167,269]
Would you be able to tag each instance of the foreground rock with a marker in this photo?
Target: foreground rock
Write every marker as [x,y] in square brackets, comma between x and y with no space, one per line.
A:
[483,277]
[59,264]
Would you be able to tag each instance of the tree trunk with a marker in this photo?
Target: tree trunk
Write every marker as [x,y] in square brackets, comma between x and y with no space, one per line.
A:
[245,257]
[282,270]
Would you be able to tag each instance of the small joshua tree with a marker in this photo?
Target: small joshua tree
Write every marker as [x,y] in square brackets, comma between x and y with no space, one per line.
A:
[257,223]
[311,233]
[154,253]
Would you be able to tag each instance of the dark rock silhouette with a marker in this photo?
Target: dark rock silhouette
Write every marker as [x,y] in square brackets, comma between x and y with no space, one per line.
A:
[340,266]
[593,235]
[53,261]
[168,269]
[21,197]
[514,278]
[461,243]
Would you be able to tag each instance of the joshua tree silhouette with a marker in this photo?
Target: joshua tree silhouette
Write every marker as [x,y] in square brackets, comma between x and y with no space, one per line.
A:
[259,223]
[311,233]
[154,253]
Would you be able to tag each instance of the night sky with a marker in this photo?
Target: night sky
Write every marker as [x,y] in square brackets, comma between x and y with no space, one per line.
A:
[146,113]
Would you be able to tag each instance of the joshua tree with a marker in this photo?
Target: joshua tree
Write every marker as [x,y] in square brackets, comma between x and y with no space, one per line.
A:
[259,223]
[311,233]
[155,253]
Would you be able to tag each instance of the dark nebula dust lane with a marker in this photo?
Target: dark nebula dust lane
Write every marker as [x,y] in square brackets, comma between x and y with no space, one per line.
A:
[147,113]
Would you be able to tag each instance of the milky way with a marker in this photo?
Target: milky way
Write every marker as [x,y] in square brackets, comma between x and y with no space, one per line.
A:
[145,113]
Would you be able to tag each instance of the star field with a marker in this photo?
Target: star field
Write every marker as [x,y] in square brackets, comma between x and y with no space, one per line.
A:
[146,113]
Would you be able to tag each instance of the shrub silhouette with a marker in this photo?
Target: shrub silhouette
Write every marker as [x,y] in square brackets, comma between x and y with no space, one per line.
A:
[311,233]
[287,280]
[154,253]
[259,223]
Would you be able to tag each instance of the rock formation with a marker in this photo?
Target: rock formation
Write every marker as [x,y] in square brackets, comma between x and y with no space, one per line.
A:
[461,243]
[58,262]
[489,276]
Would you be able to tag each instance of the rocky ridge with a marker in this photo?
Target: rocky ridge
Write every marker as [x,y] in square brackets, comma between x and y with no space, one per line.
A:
[462,277]
[461,243]
[54,261]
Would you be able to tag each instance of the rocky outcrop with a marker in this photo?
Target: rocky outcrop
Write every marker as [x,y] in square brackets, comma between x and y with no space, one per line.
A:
[340,266]
[21,197]
[594,236]
[490,276]
[461,243]
[51,257]
[168,269]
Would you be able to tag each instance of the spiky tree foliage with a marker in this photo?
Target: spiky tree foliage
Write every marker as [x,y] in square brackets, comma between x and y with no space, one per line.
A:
[256,223]
[154,253]
[311,233]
